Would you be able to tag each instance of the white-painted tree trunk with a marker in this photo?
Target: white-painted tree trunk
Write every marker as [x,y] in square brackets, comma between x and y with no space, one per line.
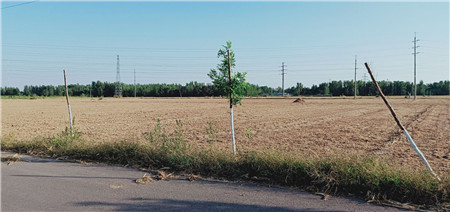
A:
[400,124]
[420,154]
[71,120]
[232,130]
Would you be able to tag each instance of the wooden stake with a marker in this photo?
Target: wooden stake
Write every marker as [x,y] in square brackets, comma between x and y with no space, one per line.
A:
[68,104]
[411,141]
[384,98]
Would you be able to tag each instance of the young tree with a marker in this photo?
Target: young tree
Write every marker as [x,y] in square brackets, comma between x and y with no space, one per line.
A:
[228,83]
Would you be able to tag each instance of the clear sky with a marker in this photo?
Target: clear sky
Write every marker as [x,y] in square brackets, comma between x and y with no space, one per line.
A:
[177,42]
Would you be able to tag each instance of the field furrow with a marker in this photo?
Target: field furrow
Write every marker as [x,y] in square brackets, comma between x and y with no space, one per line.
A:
[316,128]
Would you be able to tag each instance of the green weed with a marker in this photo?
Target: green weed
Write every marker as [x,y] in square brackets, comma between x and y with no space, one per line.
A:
[364,176]
[211,130]
[249,133]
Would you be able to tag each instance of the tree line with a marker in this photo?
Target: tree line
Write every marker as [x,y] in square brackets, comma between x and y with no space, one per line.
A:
[195,89]
[390,88]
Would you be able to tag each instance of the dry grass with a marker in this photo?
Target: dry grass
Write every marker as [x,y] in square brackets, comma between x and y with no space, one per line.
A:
[8,159]
[318,128]
[144,179]
[331,146]
[364,176]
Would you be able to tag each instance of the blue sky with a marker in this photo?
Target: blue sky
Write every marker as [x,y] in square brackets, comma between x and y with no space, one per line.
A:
[177,42]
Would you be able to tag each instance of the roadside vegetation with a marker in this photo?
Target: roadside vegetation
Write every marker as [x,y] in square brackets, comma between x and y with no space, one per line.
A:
[364,176]
[367,177]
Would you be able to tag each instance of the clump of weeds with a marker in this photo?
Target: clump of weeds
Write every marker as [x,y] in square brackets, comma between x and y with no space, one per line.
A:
[211,130]
[249,133]
[367,177]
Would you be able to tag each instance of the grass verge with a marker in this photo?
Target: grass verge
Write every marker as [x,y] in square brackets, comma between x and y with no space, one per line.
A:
[362,176]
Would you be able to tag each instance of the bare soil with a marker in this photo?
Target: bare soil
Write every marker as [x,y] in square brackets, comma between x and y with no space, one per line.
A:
[315,128]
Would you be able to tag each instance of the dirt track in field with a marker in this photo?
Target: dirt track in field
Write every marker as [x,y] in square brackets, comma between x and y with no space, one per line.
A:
[317,128]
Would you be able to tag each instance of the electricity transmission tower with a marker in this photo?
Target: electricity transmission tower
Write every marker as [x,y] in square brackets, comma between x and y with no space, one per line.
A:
[134,83]
[118,90]
[282,76]
[415,53]
[355,79]
[365,77]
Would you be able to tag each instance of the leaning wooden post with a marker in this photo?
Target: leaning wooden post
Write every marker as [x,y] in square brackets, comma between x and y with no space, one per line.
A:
[68,104]
[231,102]
[400,124]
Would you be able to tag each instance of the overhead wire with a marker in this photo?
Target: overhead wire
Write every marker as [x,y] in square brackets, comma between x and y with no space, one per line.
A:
[163,64]
[20,4]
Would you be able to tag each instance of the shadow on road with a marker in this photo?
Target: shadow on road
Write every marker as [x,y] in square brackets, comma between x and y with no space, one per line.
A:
[76,177]
[183,205]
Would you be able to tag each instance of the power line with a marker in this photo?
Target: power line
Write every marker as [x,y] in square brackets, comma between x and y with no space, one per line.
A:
[377,49]
[16,5]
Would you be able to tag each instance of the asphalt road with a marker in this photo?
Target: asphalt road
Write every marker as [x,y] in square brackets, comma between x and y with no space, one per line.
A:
[37,184]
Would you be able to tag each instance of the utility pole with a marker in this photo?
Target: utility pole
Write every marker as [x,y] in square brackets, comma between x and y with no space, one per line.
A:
[355,79]
[415,53]
[134,83]
[282,77]
[118,89]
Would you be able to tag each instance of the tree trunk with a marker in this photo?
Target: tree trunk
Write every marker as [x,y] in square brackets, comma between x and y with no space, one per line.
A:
[232,130]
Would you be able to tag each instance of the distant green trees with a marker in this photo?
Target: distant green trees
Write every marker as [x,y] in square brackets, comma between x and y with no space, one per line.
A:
[438,88]
[9,91]
[395,88]
[295,90]
[195,89]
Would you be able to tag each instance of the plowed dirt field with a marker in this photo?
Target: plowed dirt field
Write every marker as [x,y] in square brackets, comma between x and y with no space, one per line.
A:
[315,128]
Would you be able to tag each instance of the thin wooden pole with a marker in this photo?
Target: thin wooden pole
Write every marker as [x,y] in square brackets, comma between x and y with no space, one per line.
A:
[134,83]
[411,141]
[229,79]
[355,79]
[68,104]
[231,102]
[384,98]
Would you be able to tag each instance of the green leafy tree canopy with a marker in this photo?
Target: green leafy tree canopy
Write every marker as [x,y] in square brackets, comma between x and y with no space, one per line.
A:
[238,86]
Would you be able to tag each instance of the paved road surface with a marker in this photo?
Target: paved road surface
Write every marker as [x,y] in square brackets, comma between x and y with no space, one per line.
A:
[37,184]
